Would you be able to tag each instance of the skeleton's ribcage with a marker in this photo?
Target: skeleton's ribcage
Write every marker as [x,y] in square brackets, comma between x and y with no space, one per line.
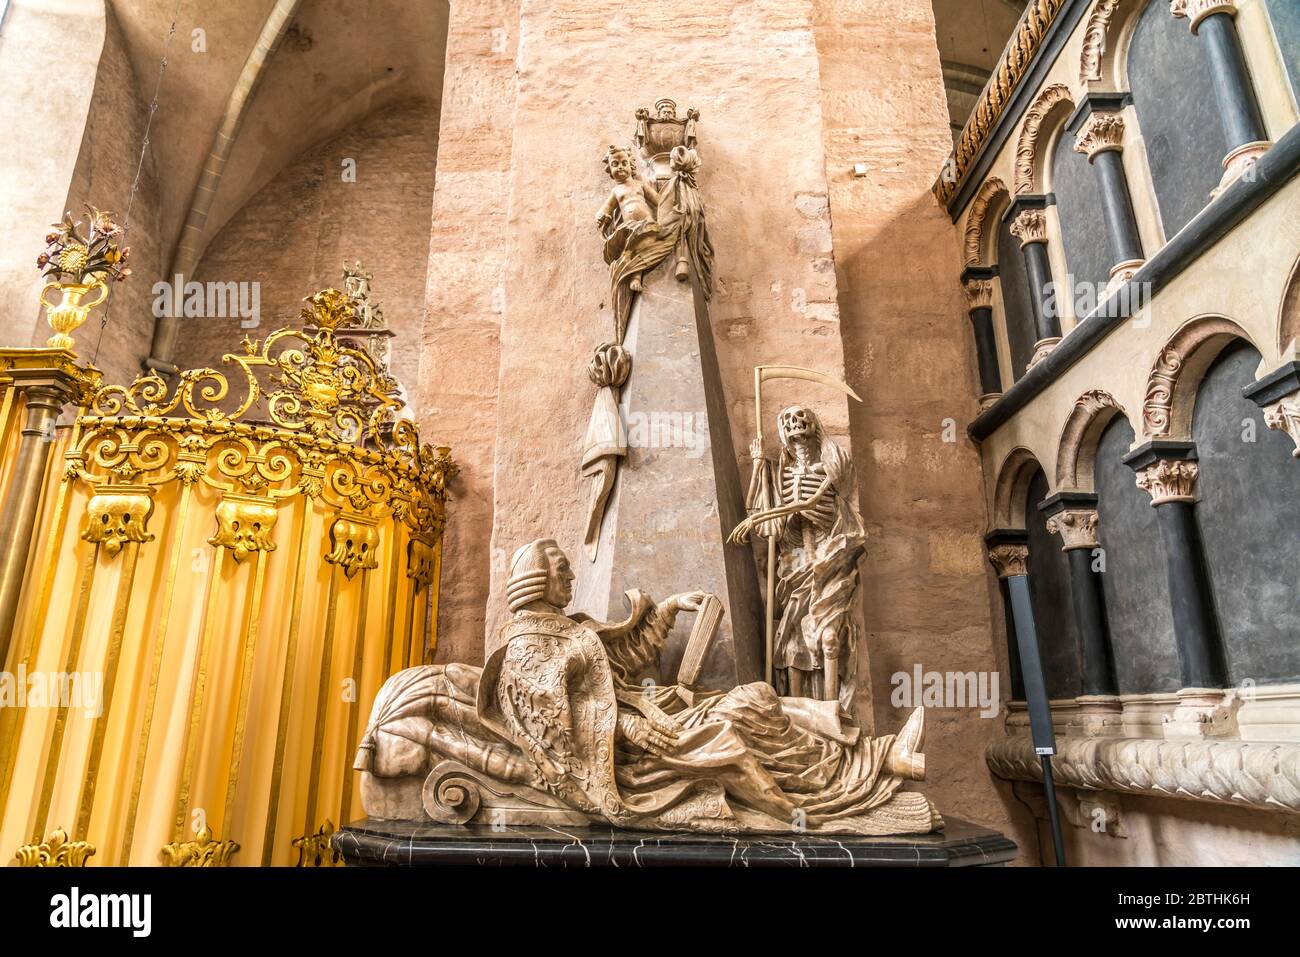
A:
[797,486]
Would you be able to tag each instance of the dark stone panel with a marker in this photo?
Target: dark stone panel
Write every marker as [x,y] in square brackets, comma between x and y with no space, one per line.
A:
[1017,307]
[1083,225]
[1135,581]
[1249,522]
[1049,591]
[1173,93]
[1285,15]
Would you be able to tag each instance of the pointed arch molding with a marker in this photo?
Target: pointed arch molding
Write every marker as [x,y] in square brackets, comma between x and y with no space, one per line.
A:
[1094,39]
[1171,386]
[1027,146]
[979,211]
[1076,460]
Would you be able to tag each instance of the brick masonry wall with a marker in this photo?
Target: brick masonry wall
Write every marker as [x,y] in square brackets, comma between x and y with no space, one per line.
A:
[294,234]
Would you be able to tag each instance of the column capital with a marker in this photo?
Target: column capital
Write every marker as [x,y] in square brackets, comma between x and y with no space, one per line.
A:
[1169,480]
[1101,132]
[1195,11]
[1284,416]
[1166,469]
[1009,560]
[979,293]
[1077,528]
[1030,226]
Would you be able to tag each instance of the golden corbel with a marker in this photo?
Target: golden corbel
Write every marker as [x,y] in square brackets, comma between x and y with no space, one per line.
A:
[117,515]
[244,524]
[354,543]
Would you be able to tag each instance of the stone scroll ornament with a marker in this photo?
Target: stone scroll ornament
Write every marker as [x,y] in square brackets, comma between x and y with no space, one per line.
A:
[569,722]
[802,504]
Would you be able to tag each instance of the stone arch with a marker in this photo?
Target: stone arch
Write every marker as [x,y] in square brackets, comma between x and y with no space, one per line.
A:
[1054,103]
[1017,471]
[1076,459]
[983,208]
[1177,373]
[1099,39]
[1289,320]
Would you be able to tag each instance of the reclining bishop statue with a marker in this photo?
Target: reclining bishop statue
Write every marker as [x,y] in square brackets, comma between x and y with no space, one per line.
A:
[566,723]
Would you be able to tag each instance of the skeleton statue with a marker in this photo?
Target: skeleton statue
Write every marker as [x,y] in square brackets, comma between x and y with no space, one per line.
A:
[819,538]
[567,723]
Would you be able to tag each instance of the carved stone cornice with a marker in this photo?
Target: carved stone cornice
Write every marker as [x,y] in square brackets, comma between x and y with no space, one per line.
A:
[1076,526]
[1009,560]
[979,294]
[1169,480]
[1260,775]
[1284,416]
[1015,61]
[1195,11]
[1102,132]
[1094,39]
[1030,227]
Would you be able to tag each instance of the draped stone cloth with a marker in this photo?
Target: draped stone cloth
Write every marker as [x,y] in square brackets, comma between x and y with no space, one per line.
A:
[544,711]
[817,586]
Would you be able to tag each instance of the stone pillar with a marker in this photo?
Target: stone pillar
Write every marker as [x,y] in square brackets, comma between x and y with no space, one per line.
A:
[977,282]
[1243,123]
[1028,218]
[1278,394]
[1168,471]
[1008,553]
[1101,139]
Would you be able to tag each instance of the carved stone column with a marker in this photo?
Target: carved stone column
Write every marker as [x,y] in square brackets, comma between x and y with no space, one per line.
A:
[1100,137]
[1008,553]
[1028,219]
[1278,394]
[1168,471]
[977,282]
[1073,516]
[1243,123]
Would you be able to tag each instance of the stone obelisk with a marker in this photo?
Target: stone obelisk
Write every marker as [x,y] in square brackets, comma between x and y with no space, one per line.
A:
[677,492]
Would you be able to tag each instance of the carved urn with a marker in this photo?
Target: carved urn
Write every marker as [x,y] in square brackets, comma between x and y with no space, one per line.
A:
[660,131]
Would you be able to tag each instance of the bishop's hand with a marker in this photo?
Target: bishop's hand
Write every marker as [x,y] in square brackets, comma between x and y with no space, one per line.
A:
[687,601]
[639,730]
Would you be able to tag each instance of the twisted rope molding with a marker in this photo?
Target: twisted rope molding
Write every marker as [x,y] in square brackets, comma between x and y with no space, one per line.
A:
[1261,775]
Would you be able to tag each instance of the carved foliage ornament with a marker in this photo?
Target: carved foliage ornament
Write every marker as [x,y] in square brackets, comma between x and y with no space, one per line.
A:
[118,515]
[1169,480]
[979,210]
[203,851]
[1076,526]
[1094,39]
[1284,416]
[56,851]
[1195,11]
[1027,147]
[979,294]
[1009,560]
[1030,227]
[1013,64]
[1102,132]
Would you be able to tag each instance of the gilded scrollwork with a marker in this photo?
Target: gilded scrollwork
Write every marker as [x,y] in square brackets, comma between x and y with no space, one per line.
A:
[315,416]
[55,851]
[203,851]
[354,544]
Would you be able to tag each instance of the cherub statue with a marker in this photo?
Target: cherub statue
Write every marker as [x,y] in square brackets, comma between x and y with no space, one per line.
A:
[566,723]
[819,538]
[643,226]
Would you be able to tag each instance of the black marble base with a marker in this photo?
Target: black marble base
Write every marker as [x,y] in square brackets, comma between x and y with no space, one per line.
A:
[413,844]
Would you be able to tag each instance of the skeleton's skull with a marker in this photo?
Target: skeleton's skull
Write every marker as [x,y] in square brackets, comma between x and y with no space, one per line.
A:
[796,422]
